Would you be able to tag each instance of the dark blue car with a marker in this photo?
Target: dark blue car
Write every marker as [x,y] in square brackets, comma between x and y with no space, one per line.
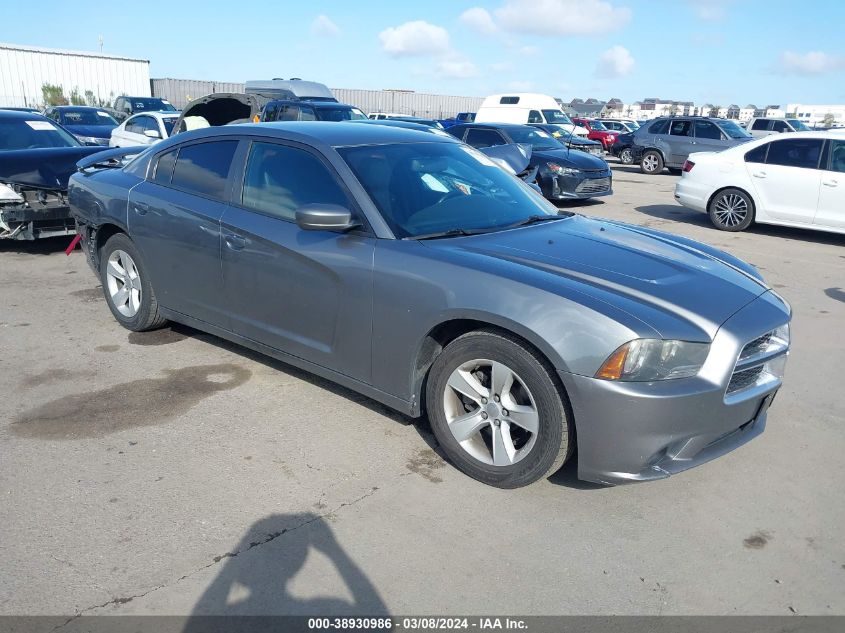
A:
[564,174]
[91,126]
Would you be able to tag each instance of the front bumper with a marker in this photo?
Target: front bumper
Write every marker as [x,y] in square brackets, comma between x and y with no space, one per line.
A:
[578,187]
[630,431]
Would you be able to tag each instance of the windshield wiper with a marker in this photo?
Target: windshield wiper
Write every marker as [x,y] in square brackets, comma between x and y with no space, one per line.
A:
[448,233]
[534,219]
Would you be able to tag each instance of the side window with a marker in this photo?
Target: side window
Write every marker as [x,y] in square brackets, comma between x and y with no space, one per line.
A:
[659,127]
[136,125]
[761,124]
[280,179]
[307,114]
[203,168]
[780,126]
[802,152]
[509,100]
[680,127]
[707,129]
[164,167]
[118,105]
[837,156]
[478,137]
[270,111]
[758,154]
[534,116]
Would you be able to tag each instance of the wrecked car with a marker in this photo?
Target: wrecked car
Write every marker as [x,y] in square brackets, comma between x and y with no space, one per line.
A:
[37,156]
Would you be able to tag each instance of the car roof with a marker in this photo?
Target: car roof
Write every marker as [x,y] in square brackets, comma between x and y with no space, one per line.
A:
[332,133]
[75,107]
[161,114]
[494,126]
[22,115]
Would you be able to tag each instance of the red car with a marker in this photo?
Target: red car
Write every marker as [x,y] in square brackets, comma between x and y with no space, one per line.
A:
[598,132]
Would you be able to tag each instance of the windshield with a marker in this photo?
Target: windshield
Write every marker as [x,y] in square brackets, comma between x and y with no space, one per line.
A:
[556,116]
[597,126]
[169,122]
[423,188]
[33,134]
[732,129]
[87,117]
[154,105]
[340,114]
[538,139]
[798,125]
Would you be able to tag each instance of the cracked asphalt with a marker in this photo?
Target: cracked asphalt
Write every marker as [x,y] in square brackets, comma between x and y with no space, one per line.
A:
[173,473]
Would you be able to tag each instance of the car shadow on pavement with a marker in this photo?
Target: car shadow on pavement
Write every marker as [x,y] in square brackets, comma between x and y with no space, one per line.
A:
[675,213]
[257,576]
[45,246]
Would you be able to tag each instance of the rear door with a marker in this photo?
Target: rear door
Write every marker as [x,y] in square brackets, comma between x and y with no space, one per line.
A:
[788,183]
[761,127]
[679,142]
[307,293]
[174,218]
[831,208]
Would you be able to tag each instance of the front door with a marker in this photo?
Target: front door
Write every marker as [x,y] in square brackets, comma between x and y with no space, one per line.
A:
[831,209]
[307,293]
[174,218]
[788,184]
[708,137]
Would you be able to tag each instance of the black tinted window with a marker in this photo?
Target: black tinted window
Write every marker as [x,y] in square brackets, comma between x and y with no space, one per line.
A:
[509,100]
[281,179]
[761,124]
[758,154]
[681,128]
[659,127]
[483,138]
[802,152]
[164,167]
[534,116]
[837,156]
[706,129]
[203,168]
[780,126]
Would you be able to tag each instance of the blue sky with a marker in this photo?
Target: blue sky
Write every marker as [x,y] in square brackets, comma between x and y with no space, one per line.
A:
[722,51]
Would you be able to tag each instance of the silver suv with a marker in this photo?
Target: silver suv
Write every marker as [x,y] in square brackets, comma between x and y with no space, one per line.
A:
[667,141]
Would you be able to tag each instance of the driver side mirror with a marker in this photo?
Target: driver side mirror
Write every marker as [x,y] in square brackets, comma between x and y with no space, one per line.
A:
[152,133]
[325,217]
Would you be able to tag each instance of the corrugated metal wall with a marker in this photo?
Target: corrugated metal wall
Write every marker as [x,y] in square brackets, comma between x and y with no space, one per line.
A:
[180,91]
[24,69]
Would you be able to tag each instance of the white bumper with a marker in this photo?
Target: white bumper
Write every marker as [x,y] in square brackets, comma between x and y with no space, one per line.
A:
[692,194]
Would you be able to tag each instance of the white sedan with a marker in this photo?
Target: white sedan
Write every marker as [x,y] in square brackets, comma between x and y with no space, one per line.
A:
[791,179]
[143,129]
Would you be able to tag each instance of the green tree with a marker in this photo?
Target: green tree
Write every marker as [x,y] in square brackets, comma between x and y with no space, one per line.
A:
[76,98]
[53,95]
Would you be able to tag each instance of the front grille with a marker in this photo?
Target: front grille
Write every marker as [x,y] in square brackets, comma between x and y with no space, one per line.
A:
[593,185]
[757,346]
[744,379]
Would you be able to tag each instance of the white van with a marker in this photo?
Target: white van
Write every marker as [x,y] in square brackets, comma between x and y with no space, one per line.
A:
[526,107]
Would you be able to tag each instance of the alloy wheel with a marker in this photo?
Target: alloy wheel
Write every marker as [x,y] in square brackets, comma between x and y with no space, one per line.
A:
[491,412]
[124,283]
[731,209]
[650,162]
[626,157]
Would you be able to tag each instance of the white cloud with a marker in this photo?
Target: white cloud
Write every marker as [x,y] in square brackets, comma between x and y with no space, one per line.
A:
[479,19]
[709,10]
[561,17]
[615,62]
[323,26]
[520,86]
[529,51]
[812,63]
[414,39]
[457,69]
[501,67]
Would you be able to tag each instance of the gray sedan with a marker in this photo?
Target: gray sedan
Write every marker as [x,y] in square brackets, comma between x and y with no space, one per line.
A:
[411,268]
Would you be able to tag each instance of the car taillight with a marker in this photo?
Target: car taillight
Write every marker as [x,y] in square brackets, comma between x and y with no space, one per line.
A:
[688,165]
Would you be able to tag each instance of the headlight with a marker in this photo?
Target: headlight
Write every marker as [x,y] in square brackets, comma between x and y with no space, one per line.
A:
[92,140]
[643,360]
[562,171]
[7,194]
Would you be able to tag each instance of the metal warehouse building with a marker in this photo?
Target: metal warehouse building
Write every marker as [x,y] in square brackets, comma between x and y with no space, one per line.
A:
[25,69]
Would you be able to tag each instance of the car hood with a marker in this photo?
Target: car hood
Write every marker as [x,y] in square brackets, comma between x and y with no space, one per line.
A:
[581,160]
[96,131]
[48,167]
[653,276]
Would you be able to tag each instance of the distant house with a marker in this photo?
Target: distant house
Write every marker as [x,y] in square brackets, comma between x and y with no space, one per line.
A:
[591,108]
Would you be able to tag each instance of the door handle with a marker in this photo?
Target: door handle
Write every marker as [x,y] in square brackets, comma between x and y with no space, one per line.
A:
[235,242]
[759,174]
[141,208]
[830,183]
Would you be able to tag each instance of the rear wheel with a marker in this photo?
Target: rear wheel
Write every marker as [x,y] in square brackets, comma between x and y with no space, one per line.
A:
[127,288]
[731,210]
[626,157]
[652,162]
[497,411]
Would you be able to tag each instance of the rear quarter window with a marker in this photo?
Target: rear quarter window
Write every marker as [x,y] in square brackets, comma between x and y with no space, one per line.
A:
[203,168]
[758,154]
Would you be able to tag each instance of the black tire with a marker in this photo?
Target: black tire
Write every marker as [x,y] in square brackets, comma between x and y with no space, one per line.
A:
[652,162]
[554,440]
[626,156]
[731,210]
[147,316]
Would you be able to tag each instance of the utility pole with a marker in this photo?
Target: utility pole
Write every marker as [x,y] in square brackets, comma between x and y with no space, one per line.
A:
[100,38]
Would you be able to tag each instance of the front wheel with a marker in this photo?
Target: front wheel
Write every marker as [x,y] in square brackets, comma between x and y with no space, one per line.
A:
[652,163]
[126,285]
[497,411]
[626,157]
[731,210]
